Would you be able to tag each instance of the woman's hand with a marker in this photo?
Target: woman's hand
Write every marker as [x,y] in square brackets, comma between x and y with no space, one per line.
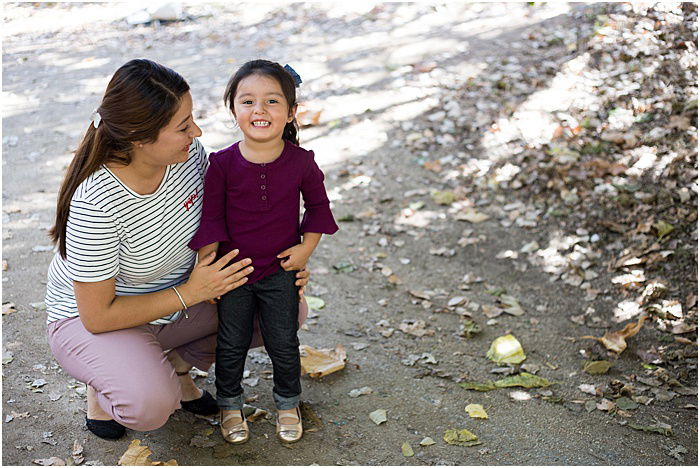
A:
[211,279]
[302,280]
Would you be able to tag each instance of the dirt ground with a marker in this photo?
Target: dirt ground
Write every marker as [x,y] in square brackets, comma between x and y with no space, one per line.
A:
[376,72]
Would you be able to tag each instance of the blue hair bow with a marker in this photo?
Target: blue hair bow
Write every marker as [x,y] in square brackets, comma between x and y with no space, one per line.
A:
[295,75]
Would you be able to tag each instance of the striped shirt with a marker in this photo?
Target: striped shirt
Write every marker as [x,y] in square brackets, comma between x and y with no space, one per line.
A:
[139,240]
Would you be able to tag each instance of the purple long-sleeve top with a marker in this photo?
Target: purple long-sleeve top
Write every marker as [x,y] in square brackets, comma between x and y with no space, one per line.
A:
[254,207]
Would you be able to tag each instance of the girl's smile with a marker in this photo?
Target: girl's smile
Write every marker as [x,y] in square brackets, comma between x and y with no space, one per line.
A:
[261,109]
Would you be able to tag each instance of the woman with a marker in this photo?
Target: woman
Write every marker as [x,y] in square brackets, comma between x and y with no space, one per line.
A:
[129,311]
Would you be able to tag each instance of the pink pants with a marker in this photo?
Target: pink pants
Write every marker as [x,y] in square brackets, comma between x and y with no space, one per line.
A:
[129,370]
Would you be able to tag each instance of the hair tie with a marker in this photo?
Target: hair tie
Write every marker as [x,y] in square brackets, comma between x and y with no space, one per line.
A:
[96,118]
[295,75]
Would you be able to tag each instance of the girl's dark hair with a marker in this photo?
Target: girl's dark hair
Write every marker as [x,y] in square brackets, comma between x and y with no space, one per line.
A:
[273,70]
[140,100]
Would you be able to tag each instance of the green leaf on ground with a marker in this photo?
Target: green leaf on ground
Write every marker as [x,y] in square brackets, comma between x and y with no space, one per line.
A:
[524,379]
[476,411]
[663,229]
[511,305]
[597,367]
[315,303]
[460,437]
[406,450]
[344,267]
[663,429]
[479,386]
[625,403]
[348,218]
[443,197]
[506,349]
[469,328]
[427,441]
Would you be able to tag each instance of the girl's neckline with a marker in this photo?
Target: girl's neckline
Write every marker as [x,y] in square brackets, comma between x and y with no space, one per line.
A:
[255,164]
[134,192]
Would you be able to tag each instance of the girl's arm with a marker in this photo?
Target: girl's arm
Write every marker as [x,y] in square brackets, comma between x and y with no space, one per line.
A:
[207,250]
[101,310]
[300,253]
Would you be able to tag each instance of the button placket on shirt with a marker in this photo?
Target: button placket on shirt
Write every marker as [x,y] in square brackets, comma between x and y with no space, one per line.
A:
[264,199]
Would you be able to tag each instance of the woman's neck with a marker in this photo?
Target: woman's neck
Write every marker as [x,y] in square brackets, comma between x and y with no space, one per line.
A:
[142,178]
[261,152]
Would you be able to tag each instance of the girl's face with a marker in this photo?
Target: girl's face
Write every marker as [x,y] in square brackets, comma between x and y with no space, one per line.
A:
[173,143]
[261,109]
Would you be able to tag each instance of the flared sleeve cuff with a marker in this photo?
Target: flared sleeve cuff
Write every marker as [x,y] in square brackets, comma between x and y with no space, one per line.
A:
[318,219]
[208,234]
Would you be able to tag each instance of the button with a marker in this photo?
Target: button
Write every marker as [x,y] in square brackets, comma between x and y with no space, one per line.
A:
[262,176]
[262,187]
[264,198]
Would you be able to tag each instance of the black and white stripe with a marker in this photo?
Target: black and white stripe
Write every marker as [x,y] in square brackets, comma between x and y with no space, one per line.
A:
[140,240]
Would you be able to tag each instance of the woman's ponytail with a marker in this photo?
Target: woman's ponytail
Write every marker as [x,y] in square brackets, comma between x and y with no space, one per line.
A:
[140,100]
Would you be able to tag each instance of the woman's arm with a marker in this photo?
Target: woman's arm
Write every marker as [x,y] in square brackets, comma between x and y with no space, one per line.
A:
[101,310]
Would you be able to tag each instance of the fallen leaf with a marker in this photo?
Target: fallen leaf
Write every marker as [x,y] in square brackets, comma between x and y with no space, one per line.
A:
[407,450]
[506,349]
[471,216]
[426,295]
[137,455]
[443,197]
[616,341]
[519,395]
[469,328]
[320,362]
[663,229]
[415,328]
[661,428]
[315,303]
[460,437]
[53,461]
[625,403]
[77,453]
[605,405]
[588,388]
[479,386]
[524,379]
[8,308]
[510,305]
[427,441]
[359,391]
[597,367]
[378,416]
[476,411]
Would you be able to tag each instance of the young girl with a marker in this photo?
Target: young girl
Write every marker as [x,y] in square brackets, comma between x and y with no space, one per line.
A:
[251,204]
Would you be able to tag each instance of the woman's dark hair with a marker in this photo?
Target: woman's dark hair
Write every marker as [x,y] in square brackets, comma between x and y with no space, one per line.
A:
[273,70]
[141,99]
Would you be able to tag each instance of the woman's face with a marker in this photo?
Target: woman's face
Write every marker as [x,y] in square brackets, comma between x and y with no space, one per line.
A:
[173,143]
[261,109]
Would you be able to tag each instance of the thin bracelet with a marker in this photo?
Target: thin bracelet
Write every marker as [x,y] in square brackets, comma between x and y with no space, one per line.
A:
[182,301]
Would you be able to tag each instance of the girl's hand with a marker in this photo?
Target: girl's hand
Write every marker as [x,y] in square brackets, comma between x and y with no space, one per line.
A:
[212,279]
[297,255]
[302,281]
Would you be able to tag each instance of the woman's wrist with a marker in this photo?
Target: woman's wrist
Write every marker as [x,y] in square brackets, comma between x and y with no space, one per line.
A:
[187,295]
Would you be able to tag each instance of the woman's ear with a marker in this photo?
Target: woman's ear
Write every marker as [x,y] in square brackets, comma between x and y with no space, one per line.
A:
[292,113]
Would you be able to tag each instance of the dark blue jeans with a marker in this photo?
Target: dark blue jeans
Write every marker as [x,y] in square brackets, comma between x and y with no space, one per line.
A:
[275,300]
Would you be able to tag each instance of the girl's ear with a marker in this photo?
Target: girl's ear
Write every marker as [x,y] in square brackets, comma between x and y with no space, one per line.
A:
[292,113]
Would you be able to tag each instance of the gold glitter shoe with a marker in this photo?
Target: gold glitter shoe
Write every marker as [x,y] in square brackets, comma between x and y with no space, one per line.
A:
[234,433]
[289,433]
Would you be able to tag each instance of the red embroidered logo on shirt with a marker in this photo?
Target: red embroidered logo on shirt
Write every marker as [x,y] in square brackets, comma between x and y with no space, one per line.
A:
[190,200]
